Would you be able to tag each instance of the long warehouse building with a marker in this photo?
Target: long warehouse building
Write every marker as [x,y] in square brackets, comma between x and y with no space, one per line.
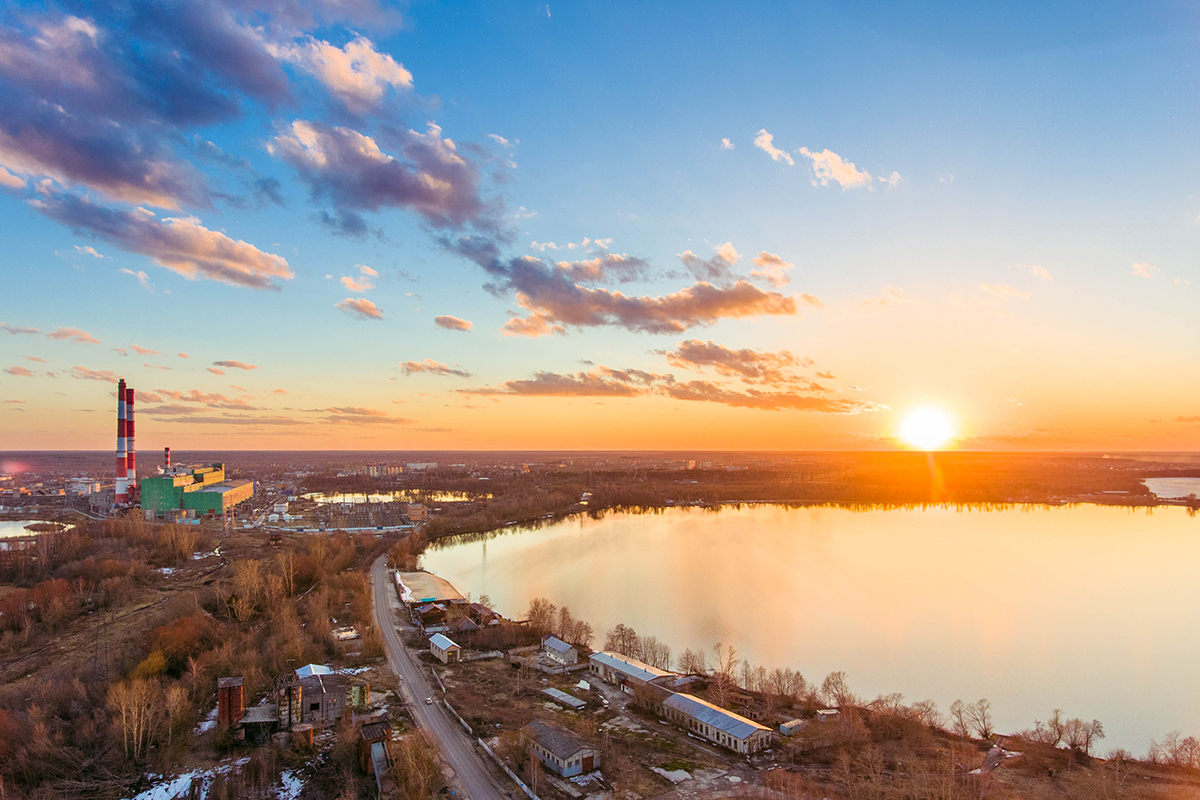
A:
[202,489]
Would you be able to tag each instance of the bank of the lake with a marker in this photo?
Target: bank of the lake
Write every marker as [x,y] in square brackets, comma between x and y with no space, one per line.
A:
[1092,609]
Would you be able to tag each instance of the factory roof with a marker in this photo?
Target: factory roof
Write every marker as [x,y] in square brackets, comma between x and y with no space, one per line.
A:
[224,486]
[556,739]
[629,666]
[702,711]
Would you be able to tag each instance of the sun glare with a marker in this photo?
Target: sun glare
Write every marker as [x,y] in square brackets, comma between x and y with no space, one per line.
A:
[927,429]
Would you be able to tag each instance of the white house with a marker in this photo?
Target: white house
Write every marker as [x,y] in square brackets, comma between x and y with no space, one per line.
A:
[616,669]
[559,650]
[444,649]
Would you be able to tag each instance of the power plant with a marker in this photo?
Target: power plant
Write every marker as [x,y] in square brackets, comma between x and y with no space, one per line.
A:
[178,491]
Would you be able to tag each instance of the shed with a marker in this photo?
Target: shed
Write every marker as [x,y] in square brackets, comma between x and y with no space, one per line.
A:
[561,751]
[791,727]
[444,649]
[230,702]
[564,699]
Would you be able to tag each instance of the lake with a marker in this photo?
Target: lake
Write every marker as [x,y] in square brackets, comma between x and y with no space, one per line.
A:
[16,527]
[1091,609]
[1173,488]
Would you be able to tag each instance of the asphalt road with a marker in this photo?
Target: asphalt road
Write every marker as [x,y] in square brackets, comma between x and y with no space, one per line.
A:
[459,751]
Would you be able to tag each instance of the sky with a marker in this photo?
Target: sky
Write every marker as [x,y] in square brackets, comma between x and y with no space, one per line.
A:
[336,224]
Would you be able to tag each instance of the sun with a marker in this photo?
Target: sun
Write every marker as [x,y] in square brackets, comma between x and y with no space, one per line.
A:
[927,428]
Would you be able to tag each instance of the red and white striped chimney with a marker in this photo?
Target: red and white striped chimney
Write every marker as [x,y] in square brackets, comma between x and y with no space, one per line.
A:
[130,450]
[122,493]
[167,459]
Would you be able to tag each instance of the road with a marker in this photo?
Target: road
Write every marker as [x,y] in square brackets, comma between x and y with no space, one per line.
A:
[459,751]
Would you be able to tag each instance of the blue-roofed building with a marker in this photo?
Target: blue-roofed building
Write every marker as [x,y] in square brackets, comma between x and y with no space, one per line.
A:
[444,649]
[617,669]
[717,724]
[559,651]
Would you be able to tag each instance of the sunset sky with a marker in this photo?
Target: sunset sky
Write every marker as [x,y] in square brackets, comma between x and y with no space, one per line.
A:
[337,225]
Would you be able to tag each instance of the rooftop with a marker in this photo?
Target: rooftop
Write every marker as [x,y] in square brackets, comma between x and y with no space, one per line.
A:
[443,642]
[629,666]
[556,644]
[703,711]
[555,738]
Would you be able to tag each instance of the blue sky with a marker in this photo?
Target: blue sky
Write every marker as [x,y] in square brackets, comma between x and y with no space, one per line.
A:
[1006,226]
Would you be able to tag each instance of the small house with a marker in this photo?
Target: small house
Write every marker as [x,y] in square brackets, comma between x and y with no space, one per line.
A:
[230,702]
[559,750]
[559,651]
[828,715]
[444,649]
[791,727]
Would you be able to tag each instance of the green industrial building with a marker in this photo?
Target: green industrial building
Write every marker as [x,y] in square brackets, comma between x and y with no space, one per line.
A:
[199,489]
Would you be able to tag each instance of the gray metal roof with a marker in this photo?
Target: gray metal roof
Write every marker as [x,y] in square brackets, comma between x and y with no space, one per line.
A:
[629,666]
[556,644]
[556,739]
[565,699]
[443,642]
[702,711]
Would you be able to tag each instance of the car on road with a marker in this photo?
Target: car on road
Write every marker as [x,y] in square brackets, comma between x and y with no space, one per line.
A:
[428,701]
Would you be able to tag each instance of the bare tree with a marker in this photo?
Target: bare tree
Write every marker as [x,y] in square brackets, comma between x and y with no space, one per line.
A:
[1056,728]
[656,653]
[959,722]
[980,716]
[926,712]
[836,692]
[693,662]
[541,614]
[566,623]
[624,640]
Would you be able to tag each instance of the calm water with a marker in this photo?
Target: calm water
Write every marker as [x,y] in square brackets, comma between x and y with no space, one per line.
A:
[1091,609]
[16,528]
[1173,488]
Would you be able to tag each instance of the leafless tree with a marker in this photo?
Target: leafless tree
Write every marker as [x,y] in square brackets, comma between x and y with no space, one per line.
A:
[926,711]
[959,721]
[693,662]
[656,653]
[836,692]
[541,614]
[624,640]
[980,716]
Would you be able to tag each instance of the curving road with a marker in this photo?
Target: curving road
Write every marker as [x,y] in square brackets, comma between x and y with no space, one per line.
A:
[458,750]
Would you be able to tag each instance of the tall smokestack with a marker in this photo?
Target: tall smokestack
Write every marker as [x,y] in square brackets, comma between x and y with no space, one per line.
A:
[130,450]
[122,492]
[167,459]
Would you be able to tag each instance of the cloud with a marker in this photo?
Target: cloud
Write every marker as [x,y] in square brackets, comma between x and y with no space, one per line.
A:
[717,268]
[500,140]
[364,416]
[1004,291]
[726,144]
[453,323]
[357,285]
[184,355]
[1033,269]
[17,329]
[606,382]
[706,391]
[350,171]
[35,358]
[74,335]
[773,269]
[356,74]
[83,373]
[1191,418]
[180,244]
[749,365]
[829,166]
[609,266]
[19,372]
[279,391]
[1143,270]
[90,251]
[555,302]
[764,141]
[891,181]
[432,367]
[215,371]
[144,351]
[892,296]
[212,400]
[142,277]
[235,365]
[360,307]
[365,270]
[10,181]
